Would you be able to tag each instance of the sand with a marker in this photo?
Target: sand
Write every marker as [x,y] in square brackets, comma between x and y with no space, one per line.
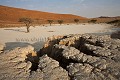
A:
[17,37]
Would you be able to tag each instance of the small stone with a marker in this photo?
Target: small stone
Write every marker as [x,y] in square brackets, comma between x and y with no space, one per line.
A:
[1,46]
[28,66]
[84,58]
[18,59]
[21,65]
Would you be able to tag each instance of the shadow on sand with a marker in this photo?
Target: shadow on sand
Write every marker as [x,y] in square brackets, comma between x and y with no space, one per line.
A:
[115,35]
[18,30]
[11,45]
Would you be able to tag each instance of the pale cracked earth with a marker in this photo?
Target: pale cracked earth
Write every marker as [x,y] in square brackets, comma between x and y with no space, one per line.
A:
[71,57]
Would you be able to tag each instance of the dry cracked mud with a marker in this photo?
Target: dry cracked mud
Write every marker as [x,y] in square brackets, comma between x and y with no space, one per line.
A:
[71,57]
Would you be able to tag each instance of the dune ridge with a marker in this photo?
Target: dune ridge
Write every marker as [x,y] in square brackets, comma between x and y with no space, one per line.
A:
[12,15]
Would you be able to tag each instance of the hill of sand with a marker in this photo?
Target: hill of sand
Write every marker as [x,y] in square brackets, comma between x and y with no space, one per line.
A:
[12,15]
[104,19]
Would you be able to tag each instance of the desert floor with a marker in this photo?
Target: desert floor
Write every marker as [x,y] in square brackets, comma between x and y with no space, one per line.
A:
[17,37]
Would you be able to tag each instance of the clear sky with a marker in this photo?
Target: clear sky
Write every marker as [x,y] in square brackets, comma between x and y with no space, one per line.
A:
[86,8]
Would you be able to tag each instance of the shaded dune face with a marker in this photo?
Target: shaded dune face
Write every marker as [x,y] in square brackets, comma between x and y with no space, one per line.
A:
[105,19]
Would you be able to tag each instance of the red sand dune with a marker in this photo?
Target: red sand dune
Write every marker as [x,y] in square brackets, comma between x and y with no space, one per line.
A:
[12,15]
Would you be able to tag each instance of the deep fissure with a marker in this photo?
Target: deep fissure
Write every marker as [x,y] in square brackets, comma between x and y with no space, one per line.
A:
[82,48]
[34,60]
[63,62]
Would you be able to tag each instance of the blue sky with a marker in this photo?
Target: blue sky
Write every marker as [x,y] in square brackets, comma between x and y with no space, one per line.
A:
[86,8]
